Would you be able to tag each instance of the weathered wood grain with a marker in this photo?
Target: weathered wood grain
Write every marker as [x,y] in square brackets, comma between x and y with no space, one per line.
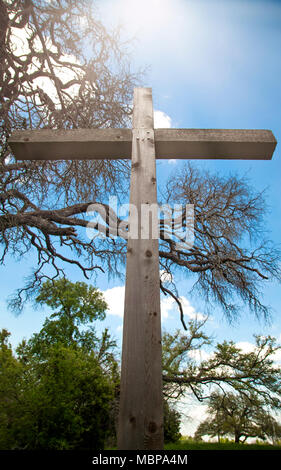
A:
[214,144]
[141,404]
[141,399]
[71,144]
[169,143]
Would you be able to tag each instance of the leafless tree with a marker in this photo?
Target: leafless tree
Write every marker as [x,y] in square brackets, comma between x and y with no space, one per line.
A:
[61,68]
[231,257]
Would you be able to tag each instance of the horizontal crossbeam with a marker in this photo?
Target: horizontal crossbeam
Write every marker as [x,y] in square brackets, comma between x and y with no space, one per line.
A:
[71,144]
[214,144]
[47,144]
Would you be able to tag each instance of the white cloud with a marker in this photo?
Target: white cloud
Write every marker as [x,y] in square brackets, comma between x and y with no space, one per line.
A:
[115,299]
[167,306]
[198,412]
[245,346]
[248,347]
[199,355]
[190,311]
[165,276]
[193,413]
[162,120]
[277,356]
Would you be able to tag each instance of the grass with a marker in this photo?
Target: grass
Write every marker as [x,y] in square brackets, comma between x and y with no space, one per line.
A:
[189,444]
[193,445]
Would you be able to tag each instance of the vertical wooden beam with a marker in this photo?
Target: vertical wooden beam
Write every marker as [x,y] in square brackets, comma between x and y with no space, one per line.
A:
[141,399]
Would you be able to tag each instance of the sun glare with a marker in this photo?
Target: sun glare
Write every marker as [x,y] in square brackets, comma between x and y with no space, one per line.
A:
[145,15]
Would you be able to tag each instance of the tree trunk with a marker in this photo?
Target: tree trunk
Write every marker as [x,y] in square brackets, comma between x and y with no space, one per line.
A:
[237,437]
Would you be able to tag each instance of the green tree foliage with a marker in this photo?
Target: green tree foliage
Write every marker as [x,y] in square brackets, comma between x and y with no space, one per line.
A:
[239,416]
[271,428]
[10,375]
[172,422]
[76,304]
[57,392]
[228,366]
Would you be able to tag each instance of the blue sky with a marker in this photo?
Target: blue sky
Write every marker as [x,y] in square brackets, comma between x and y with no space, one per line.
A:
[215,64]
[212,64]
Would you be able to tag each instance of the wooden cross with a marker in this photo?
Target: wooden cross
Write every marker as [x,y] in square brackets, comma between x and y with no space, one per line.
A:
[141,400]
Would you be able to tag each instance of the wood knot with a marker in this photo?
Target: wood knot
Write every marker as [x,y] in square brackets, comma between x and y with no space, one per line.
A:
[132,420]
[148,253]
[154,314]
